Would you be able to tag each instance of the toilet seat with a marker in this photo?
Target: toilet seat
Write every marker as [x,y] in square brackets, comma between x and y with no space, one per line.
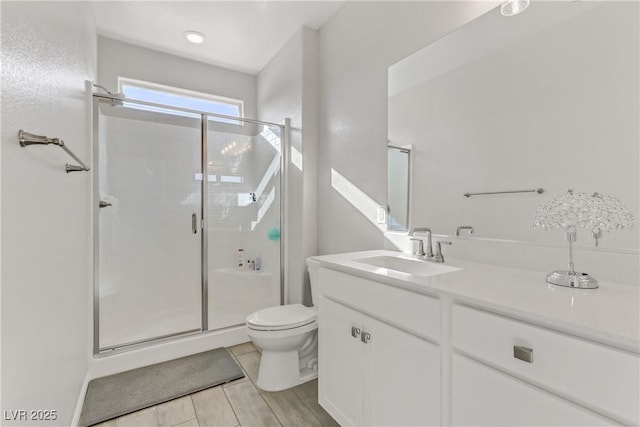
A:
[281,317]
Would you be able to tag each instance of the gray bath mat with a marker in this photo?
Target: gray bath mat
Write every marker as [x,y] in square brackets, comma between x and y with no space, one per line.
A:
[115,395]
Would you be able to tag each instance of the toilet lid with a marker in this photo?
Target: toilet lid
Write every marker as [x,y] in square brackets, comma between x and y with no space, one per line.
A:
[282,317]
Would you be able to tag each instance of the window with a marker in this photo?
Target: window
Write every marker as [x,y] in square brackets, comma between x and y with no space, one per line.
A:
[181,98]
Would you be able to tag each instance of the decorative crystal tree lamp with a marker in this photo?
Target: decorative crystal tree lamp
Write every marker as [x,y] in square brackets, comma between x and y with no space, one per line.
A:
[573,210]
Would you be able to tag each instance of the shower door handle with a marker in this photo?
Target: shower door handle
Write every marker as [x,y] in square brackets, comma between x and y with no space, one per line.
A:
[194,223]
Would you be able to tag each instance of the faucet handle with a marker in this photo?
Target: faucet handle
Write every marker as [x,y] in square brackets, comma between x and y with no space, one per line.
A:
[420,251]
[438,257]
[464,227]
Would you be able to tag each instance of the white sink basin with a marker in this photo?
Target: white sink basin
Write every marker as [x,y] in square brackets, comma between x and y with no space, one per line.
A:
[408,266]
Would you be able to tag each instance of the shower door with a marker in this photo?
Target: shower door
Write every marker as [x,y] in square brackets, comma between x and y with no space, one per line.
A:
[149,182]
[244,250]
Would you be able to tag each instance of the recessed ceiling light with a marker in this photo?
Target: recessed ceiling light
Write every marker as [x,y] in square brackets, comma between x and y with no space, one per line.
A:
[194,37]
[513,7]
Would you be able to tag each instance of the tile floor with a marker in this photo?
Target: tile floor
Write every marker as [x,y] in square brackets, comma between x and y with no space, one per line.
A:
[238,403]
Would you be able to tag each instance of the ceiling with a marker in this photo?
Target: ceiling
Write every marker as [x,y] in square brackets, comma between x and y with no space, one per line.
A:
[241,35]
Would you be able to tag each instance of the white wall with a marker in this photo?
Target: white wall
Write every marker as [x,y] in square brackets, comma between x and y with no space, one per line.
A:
[288,87]
[119,59]
[356,46]
[48,51]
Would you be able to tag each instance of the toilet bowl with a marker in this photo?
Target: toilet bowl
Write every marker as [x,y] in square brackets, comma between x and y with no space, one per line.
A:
[287,336]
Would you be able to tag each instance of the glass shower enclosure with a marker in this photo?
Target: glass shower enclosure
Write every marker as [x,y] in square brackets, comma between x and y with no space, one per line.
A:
[187,222]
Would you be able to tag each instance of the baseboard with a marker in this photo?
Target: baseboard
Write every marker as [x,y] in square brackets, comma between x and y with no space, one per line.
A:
[83,392]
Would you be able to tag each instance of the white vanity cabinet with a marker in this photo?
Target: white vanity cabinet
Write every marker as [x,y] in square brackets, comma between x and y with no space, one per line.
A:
[508,372]
[372,373]
[471,348]
[341,372]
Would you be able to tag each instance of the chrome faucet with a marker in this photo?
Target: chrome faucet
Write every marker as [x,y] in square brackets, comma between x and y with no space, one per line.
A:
[464,227]
[420,251]
[439,257]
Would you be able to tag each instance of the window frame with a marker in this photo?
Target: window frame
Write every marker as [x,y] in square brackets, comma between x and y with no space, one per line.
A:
[172,90]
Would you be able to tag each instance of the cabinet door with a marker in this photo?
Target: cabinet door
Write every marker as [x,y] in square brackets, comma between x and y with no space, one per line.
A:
[485,396]
[340,362]
[401,378]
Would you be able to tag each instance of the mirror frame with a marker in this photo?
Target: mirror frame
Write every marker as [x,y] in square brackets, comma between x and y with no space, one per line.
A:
[393,226]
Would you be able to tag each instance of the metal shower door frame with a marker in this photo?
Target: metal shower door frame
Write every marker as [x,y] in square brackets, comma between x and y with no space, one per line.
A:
[204,294]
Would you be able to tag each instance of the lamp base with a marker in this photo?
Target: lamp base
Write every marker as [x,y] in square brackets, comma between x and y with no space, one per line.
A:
[572,279]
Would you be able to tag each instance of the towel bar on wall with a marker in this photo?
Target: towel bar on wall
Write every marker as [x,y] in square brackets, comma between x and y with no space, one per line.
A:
[26,138]
[535,190]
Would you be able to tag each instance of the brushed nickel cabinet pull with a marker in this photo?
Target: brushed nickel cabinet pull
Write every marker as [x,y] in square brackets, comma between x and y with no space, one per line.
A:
[523,353]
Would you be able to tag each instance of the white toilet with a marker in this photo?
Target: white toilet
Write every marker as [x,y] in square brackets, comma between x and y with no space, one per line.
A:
[287,335]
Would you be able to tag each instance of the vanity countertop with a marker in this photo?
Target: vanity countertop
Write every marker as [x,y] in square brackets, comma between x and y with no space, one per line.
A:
[609,315]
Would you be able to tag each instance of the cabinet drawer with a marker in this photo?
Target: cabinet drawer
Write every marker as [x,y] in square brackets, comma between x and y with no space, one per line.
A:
[483,396]
[593,375]
[415,313]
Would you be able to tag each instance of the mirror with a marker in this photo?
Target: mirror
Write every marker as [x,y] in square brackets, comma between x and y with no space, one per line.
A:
[545,99]
[398,187]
